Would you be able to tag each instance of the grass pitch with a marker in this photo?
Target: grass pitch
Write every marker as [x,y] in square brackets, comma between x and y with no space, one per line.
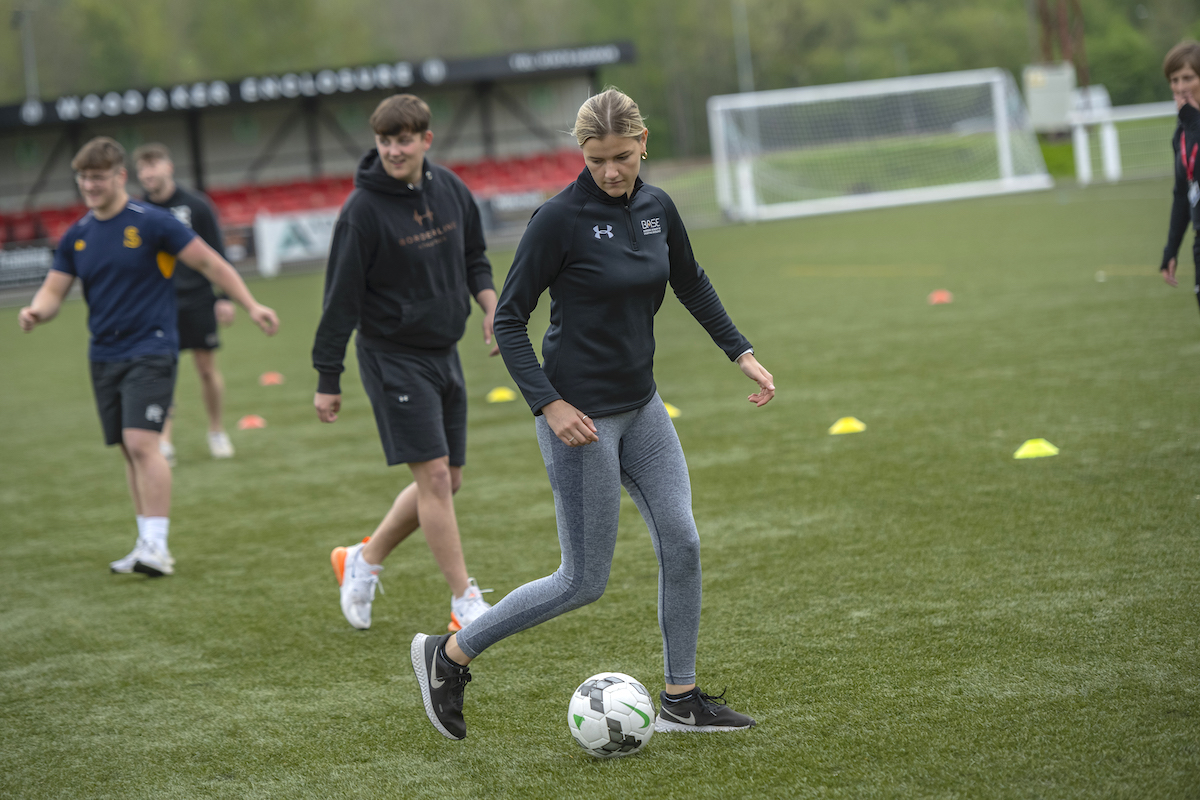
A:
[908,611]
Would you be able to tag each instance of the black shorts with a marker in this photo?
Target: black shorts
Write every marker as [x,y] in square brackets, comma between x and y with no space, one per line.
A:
[420,404]
[198,327]
[133,394]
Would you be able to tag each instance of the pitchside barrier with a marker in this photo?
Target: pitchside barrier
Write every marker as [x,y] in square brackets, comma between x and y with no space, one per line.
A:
[871,144]
[1124,142]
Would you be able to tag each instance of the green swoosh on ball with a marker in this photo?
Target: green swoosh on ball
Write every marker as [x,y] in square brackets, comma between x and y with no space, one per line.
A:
[640,713]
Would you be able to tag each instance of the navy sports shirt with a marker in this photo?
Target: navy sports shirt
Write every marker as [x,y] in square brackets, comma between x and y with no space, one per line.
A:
[126,264]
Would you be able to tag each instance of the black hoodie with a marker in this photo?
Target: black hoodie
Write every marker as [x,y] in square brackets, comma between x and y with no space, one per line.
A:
[607,262]
[403,266]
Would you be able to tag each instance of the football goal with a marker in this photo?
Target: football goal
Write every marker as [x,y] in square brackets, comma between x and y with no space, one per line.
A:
[850,146]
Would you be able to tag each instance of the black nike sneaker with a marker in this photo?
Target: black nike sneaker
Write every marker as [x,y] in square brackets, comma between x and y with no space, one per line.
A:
[697,712]
[442,685]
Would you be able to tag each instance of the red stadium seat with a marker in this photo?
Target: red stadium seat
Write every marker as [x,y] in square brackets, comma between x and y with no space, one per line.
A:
[24,226]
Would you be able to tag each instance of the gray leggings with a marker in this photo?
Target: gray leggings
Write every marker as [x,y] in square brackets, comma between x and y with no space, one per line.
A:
[640,451]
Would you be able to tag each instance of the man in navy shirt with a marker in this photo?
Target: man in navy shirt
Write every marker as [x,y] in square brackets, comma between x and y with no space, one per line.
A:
[124,252]
[199,308]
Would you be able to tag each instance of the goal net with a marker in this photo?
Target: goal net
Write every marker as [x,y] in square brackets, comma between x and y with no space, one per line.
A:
[849,146]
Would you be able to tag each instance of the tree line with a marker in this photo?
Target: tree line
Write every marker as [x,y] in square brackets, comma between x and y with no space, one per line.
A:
[685,47]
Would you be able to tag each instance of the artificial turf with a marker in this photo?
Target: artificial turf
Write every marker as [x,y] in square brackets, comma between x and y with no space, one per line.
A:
[907,611]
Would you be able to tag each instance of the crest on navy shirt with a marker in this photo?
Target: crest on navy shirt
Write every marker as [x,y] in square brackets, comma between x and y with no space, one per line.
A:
[183,214]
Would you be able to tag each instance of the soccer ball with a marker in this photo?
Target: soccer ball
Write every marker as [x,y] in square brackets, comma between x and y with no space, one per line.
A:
[611,715]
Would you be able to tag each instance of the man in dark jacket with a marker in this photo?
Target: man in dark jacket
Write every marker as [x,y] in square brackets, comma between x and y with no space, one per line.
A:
[406,258]
[200,309]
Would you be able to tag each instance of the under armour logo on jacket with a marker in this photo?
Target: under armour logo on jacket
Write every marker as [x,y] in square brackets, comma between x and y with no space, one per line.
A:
[606,232]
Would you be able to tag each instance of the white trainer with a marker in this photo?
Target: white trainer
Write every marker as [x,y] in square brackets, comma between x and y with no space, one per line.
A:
[358,580]
[153,561]
[125,565]
[168,452]
[219,444]
[466,609]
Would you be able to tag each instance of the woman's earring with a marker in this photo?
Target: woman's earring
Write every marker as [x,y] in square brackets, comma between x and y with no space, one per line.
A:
[643,155]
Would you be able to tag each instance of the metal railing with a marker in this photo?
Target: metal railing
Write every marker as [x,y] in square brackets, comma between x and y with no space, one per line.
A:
[1133,141]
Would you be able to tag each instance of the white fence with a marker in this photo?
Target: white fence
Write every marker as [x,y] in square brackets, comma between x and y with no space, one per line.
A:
[1133,141]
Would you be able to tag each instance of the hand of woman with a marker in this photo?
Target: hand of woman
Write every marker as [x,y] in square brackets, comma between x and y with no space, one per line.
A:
[570,425]
[755,372]
[1169,274]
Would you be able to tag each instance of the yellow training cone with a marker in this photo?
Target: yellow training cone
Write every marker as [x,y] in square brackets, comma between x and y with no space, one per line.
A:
[847,425]
[1036,448]
[672,411]
[501,394]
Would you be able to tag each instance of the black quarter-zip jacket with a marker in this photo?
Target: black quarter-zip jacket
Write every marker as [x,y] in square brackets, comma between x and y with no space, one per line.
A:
[194,210]
[1186,145]
[403,266]
[606,262]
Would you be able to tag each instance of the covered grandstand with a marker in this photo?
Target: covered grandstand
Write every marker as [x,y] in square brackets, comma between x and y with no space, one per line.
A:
[280,144]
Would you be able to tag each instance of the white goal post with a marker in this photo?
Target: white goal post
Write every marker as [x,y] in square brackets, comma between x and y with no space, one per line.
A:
[871,144]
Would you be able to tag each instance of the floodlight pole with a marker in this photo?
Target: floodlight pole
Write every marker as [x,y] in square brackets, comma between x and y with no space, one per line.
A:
[751,143]
[741,46]
[24,20]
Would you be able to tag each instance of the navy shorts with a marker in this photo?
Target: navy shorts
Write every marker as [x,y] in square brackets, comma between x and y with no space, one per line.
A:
[133,394]
[198,327]
[420,404]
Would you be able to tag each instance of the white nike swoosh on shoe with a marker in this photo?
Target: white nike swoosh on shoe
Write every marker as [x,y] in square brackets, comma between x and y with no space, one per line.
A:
[690,719]
[434,681]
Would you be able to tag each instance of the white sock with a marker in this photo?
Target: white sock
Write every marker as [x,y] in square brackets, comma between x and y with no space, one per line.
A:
[141,523]
[154,529]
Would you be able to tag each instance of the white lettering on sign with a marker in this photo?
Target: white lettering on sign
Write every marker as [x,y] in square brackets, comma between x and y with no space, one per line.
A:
[559,59]
[91,106]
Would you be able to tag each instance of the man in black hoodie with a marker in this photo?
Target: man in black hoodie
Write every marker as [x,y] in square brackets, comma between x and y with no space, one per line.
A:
[407,256]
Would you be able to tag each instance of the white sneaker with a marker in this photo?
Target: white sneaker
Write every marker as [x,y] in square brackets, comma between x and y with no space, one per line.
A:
[125,565]
[358,580]
[466,609]
[168,452]
[219,444]
[153,561]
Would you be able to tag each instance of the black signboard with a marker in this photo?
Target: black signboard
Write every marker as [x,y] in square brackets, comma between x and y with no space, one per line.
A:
[255,89]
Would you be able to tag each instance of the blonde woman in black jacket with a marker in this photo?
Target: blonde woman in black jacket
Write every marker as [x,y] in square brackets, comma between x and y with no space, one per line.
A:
[605,249]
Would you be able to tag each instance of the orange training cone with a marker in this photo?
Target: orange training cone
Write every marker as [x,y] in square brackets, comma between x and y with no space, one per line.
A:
[250,422]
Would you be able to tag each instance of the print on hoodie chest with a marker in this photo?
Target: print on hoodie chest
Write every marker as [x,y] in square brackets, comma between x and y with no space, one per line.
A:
[428,233]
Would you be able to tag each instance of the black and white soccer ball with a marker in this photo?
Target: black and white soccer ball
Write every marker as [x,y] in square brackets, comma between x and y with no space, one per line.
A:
[611,715]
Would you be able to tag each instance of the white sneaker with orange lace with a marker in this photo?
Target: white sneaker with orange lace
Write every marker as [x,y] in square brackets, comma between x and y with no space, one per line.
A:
[358,580]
